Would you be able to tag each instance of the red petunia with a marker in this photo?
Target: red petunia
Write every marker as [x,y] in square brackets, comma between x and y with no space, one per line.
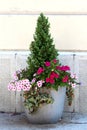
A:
[52,81]
[65,68]
[54,75]
[40,70]
[65,79]
[47,80]
[58,67]
[47,63]
[55,61]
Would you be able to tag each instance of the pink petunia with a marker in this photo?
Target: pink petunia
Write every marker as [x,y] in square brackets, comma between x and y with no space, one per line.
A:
[15,77]
[10,87]
[18,88]
[47,63]
[14,88]
[24,88]
[39,83]
[28,88]
[73,76]
[25,81]
[73,85]
[33,80]
[21,86]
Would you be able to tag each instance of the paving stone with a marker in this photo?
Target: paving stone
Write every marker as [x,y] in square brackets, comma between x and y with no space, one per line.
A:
[13,121]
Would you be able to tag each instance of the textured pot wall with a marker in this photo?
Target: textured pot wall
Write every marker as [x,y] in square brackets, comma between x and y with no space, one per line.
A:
[49,113]
[14,60]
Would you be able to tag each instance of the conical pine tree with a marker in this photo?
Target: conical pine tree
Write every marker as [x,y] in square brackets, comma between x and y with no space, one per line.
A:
[42,48]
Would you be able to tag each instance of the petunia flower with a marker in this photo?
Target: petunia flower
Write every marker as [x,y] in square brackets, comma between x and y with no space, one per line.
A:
[65,79]
[47,63]
[47,80]
[39,83]
[40,70]
[55,61]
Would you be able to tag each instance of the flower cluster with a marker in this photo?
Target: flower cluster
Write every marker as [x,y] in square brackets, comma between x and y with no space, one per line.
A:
[55,74]
[23,84]
[19,85]
[51,75]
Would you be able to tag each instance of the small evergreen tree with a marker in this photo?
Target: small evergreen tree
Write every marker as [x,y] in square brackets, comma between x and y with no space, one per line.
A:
[42,48]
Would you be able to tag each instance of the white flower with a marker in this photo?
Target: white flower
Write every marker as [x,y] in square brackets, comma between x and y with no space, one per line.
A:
[18,71]
[35,88]
[15,78]
[33,80]
[14,88]
[73,76]
[11,86]
[73,85]
[34,74]
[24,88]
[39,83]
[28,88]
[18,88]
[25,81]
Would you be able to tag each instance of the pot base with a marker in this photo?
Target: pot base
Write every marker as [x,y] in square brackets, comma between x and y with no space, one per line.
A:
[49,113]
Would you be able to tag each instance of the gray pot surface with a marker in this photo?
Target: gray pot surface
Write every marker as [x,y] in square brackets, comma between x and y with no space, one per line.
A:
[49,113]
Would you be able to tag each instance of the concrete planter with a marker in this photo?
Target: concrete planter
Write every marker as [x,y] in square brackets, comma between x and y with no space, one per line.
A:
[50,113]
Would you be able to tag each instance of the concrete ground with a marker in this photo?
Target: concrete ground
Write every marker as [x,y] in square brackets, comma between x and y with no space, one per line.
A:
[10,121]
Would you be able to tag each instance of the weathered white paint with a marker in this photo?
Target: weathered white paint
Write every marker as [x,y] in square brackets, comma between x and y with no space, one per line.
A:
[69,32]
[68,21]
[48,6]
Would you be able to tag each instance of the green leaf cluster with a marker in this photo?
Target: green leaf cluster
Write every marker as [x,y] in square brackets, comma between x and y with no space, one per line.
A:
[34,101]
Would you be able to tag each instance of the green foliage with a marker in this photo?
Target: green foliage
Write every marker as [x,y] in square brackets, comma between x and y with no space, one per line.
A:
[35,99]
[42,48]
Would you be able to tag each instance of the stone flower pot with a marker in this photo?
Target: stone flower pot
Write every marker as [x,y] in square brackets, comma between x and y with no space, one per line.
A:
[49,113]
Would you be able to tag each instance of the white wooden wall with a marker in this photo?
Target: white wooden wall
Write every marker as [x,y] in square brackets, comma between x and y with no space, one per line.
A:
[9,62]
